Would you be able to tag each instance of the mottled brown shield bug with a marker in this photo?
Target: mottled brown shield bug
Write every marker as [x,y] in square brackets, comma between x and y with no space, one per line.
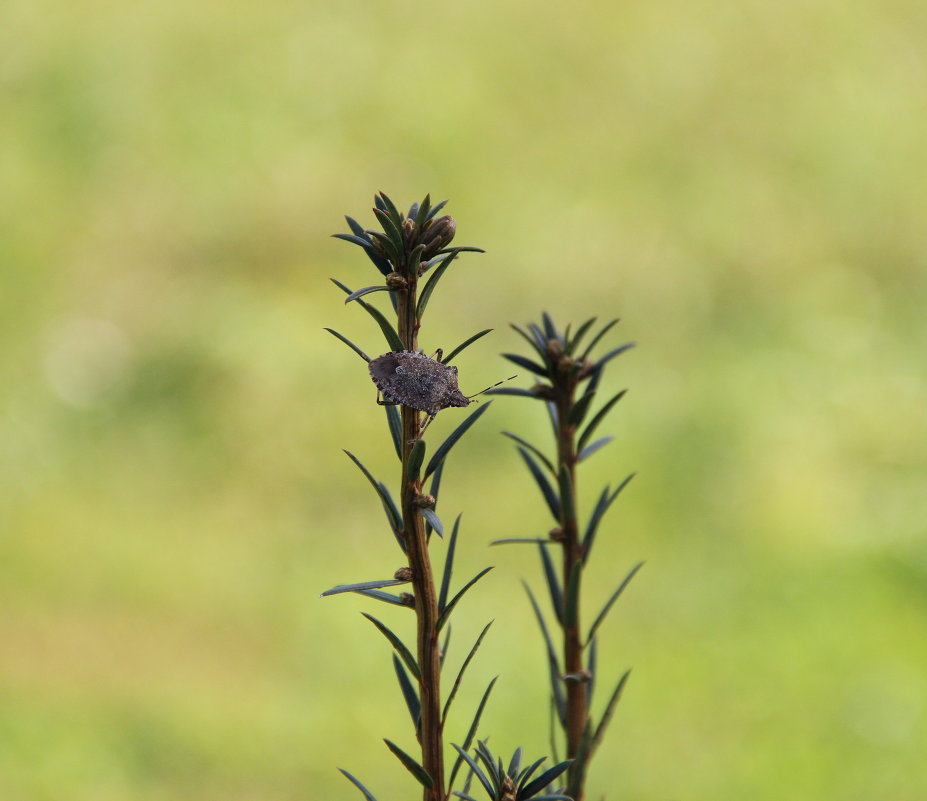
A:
[413,379]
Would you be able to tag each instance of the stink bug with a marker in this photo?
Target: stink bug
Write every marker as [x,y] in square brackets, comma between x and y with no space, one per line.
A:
[411,378]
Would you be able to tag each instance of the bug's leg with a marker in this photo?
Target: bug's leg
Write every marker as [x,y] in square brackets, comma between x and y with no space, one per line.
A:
[439,353]
[385,402]
[427,423]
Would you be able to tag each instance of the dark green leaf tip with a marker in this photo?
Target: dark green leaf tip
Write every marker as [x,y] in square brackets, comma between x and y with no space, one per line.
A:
[410,765]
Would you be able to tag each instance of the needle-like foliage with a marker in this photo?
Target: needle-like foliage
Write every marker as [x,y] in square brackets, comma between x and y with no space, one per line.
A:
[405,249]
[570,377]
[512,783]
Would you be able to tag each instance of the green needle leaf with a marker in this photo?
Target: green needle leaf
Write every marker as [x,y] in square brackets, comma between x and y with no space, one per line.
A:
[556,685]
[391,230]
[539,345]
[446,644]
[448,566]
[362,585]
[533,448]
[553,414]
[433,520]
[446,613]
[573,343]
[522,393]
[433,282]
[392,338]
[408,693]
[367,794]
[415,260]
[515,765]
[477,770]
[356,227]
[553,583]
[395,427]
[514,540]
[567,507]
[391,209]
[612,354]
[551,798]
[601,507]
[586,452]
[591,666]
[553,503]
[410,765]
[578,412]
[416,457]
[361,238]
[597,337]
[571,606]
[469,740]
[595,378]
[392,512]
[577,777]
[529,771]
[388,244]
[610,602]
[433,489]
[543,780]
[395,519]
[609,710]
[350,344]
[456,434]
[549,328]
[460,249]
[421,213]
[357,293]
[539,335]
[521,361]
[398,644]
[386,597]
[466,343]
[460,673]
[436,208]
[355,239]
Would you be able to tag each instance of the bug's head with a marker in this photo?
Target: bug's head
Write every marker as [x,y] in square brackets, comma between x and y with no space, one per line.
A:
[455,397]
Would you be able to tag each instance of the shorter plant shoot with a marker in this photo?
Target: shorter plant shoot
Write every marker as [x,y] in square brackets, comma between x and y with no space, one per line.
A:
[569,388]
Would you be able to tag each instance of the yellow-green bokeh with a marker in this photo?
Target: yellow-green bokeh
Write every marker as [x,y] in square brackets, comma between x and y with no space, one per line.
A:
[743,183]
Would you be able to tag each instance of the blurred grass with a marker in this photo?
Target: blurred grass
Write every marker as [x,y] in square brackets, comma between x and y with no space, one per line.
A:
[742,183]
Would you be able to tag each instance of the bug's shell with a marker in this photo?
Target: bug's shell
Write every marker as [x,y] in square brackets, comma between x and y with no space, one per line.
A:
[413,379]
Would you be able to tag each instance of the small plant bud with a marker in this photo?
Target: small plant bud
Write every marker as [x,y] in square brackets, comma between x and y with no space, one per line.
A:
[396,281]
[557,535]
[580,676]
[424,501]
[439,235]
[403,574]
[554,348]
[508,789]
[408,231]
[407,598]
[378,245]
[544,391]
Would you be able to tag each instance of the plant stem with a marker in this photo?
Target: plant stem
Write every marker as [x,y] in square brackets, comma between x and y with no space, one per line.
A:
[426,603]
[577,711]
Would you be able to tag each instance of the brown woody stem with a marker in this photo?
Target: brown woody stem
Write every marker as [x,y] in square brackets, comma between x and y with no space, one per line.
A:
[426,603]
[577,702]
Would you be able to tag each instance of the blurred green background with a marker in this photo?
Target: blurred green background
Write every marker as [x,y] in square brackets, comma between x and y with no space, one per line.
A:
[743,183]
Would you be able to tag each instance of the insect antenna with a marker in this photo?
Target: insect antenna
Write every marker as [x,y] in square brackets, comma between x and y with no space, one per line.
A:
[471,397]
